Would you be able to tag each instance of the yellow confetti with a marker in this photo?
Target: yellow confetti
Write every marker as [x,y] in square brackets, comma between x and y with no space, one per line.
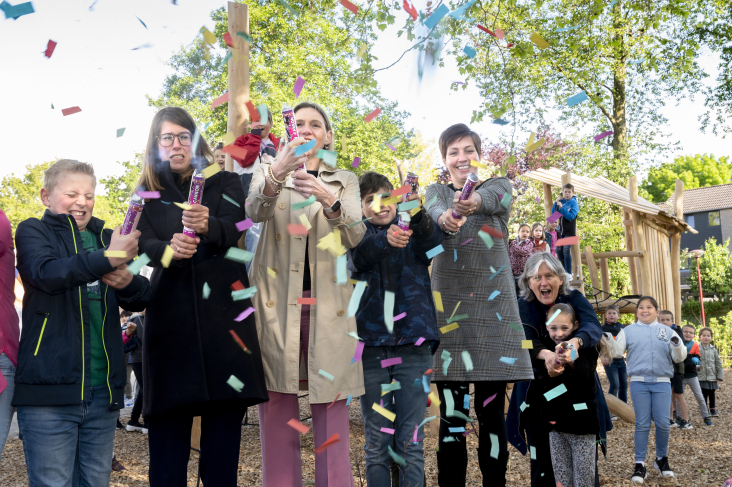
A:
[271,273]
[211,170]
[167,256]
[229,138]
[448,328]
[384,412]
[414,211]
[354,282]
[478,165]
[527,344]
[118,254]
[185,206]
[535,145]
[391,200]
[376,205]
[208,36]
[456,307]
[538,40]
[434,398]
[531,139]
[361,50]
[305,222]
[438,301]
[344,143]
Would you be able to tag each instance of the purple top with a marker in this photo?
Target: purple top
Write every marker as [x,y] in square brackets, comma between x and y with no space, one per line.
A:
[9,323]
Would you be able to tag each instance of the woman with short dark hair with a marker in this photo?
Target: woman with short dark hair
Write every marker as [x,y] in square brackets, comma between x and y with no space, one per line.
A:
[474,278]
[192,362]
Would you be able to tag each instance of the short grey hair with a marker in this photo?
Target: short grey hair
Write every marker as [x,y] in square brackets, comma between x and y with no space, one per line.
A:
[52,175]
[532,268]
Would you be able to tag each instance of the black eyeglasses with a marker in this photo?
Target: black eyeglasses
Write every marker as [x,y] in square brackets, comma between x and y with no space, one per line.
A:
[166,140]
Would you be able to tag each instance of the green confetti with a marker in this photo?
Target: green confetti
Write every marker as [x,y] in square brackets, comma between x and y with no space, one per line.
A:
[556,392]
[230,200]
[506,201]
[138,264]
[244,293]
[494,445]
[580,407]
[328,157]
[389,311]
[409,205]
[356,298]
[431,202]
[358,223]
[238,255]
[206,290]
[397,459]
[532,453]
[326,374]
[120,132]
[487,240]
[235,383]
[456,318]
[245,36]
[515,326]
[303,204]
[394,386]
[523,406]
[467,360]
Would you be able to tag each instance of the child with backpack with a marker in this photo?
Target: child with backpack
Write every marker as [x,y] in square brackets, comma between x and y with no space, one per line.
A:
[711,372]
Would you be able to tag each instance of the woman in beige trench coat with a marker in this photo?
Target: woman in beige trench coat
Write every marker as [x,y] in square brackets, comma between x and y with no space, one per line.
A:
[305,347]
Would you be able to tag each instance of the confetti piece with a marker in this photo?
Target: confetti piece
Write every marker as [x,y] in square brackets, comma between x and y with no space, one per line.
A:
[390,362]
[211,170]
[553,217]
[49,48]
[499,316]
[302,204]
[307,301]
[431,21]
[302,149]
[493,295]
[356,162]
[467,361]
[538,40]
[384,412]
[469,51]
[419,341]
[455,258]
[567,29]
[478,165]
[394,386]
[466,402]
[145,26]
[599,137]
[334,401]
[492,231]
[244,314]
[138,264]
[328,157]
[330,442]
[372,115]
[70,111]
[556,392]
[527,344]
[636,61]
[397,459]
[245,36]
[206,290]
[359,352]
[449,328]
[185,206]
[397,317]
[16,11]
[409,205]
[149,194]
[218,101]
[487,240]
[299,83]
[532,452]
[532,147]
[167,256]
[485,403]
[296,229]
[436,251]
[353,8]
[356,298]
[556,313]
[389,311]
[580,407]
[324,373]
[119,254]
[460,13]
[237,286]
[230,200]
[523,406]
[453,319]
[457,429]
[235,383]
[577,99]
[403,190]
[244,293]
[438,301]
[496,273]
[466,242]
[239,341]
[387,430]
[297,425]
[506,201]
[507,360]
[235,151]
[238,255]
[227,39]
[567,241]
[494,445]
[348,401]
[410,10]
[244,224]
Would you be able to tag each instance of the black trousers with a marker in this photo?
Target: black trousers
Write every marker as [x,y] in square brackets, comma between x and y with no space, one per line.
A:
[137,406]
[452,456]
[709,395]
[169,437]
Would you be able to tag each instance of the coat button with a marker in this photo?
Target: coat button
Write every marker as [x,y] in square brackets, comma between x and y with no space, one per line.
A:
[278,237]
[276,270]
[270,304]
[282,206]
[335,279]
[341,312]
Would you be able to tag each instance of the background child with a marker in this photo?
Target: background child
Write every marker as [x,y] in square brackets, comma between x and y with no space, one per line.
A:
[551,237]
[573,430]
[538,237]
[519,251]
[652,349]
[615,369]
[392,260]
[691,365]
[567,206]
[711,369]
[678,401]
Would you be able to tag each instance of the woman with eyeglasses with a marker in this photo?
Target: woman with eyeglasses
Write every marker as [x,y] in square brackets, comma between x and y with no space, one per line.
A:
[193,363]
[543,284]
[478,295]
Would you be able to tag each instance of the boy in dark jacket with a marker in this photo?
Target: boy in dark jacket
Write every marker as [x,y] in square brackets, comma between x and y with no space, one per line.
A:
[568,207]
[398,352]
[71,372]
[681,421]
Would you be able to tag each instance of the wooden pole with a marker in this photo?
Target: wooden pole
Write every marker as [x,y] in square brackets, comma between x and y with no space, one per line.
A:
[592,270]
[639,238]
[238,75]
[548,200]
[605,278]
[676,251]
[632,267]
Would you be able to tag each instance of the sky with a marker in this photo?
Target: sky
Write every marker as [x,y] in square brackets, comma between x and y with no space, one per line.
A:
[95,68]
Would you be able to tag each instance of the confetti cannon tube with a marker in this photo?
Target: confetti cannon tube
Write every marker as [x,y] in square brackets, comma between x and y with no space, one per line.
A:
[288,117]
[133,215]
[194,197]
[470,185]
[413,180]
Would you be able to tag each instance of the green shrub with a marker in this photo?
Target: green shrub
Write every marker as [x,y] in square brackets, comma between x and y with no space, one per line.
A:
[722,335]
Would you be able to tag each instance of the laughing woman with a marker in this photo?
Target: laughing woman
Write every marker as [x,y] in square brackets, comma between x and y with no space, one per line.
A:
[476,282]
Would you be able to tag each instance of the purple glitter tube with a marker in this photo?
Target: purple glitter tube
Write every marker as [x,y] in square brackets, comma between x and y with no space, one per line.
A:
[194,197]
[133,215]
[470,185]
[288,116]
[412,180]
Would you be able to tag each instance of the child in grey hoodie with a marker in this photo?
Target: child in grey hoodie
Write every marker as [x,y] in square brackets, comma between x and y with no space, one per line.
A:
[652,350]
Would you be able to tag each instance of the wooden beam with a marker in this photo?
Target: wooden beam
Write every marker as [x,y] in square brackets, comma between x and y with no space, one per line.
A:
[639,239]
[592,269]
[617,254]
[675,251]
[657,228]
[632,267]
[238,75]
[548,200]
[605,278]
[679,200]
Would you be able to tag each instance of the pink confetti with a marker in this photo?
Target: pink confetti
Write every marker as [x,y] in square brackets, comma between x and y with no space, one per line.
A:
[298,86]
[245,313]
[390,146]
[420,341]
[485,403]
[148,194]
[414,436]
[391,361]
[387,430]
[244,224]
[601,136]
[553,217]
[400,316]
[466,242]
[466,433]
[356,162]
[359,351]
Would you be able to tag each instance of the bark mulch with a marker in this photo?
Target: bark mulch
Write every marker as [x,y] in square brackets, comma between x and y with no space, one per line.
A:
[699,457]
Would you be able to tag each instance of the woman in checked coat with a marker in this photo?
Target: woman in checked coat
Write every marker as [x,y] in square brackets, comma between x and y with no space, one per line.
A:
[491,331]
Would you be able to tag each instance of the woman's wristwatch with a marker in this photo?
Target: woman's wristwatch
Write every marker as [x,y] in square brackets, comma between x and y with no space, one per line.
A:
[334,207]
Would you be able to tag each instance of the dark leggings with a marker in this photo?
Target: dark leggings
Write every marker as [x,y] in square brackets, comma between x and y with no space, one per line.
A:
[137,406]
[452,456]
[710,397]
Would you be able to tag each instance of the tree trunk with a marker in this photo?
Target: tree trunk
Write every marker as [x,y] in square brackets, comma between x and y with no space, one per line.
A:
[620,128]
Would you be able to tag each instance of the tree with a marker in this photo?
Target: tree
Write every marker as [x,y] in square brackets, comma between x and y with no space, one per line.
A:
[696,171]
[715,267]
[119,189]
[320,43]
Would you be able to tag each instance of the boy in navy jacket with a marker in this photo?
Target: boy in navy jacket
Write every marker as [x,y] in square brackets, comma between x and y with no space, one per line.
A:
[397,354]
[71,373]
[568,207]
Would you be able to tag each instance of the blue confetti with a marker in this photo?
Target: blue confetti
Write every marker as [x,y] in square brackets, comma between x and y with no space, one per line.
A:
[500,121]
[455,250]
[507,360]
[302,149]
[431,21]
[499,316]
[466,402]
[469,51]
[496,273]
[493,295]
[459,13]
[577,99]
[348,402]
[436,251]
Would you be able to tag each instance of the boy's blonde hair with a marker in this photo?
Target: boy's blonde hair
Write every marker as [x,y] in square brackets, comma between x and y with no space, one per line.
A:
[52,175]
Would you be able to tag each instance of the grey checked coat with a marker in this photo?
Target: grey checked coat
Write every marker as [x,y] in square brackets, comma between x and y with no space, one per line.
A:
[468,280]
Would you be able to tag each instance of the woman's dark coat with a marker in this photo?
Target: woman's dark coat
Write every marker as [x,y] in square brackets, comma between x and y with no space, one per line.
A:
[188,352]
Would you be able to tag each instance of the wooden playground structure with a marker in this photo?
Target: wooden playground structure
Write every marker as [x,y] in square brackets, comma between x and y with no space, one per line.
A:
[652,242]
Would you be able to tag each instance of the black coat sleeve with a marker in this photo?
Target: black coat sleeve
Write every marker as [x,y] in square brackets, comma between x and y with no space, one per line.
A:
[150,245]
[530,319]
[136,295]
[590,329]
[371,250]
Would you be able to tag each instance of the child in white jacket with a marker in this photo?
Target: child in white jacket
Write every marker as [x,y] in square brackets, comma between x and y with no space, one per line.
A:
[652,349]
